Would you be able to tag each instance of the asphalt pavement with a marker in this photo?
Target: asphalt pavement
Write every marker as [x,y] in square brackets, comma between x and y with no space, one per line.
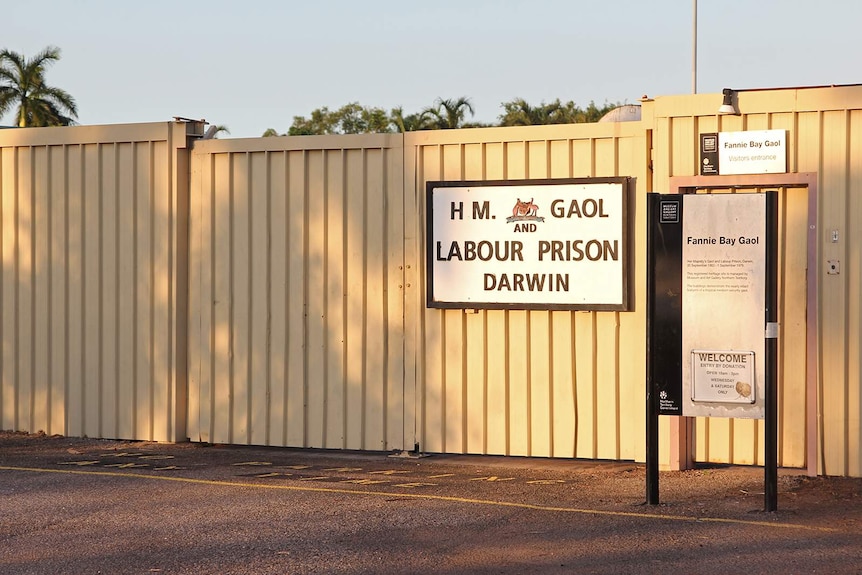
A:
[86,506]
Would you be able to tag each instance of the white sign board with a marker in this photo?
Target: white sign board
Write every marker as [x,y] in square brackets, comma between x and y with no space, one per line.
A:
[723,304]
[722,376]
[753,152]
[552,244]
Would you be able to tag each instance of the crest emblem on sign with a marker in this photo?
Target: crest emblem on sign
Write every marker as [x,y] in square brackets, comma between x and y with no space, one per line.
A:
[524,212]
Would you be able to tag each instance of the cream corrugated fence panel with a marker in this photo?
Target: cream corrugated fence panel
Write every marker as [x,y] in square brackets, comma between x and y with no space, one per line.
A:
[824,127]
[296,293]
[533,383]
[92,337]
[291,271]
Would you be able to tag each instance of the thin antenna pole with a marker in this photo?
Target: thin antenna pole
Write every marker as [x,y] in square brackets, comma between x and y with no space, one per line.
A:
[694,47]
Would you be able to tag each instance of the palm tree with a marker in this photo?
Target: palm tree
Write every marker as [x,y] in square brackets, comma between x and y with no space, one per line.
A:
[22,83]
[519,112]
[449,114]
[214,130]
[410,122]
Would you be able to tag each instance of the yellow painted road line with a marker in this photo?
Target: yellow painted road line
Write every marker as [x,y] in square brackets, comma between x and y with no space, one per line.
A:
[493,478]
[431,497]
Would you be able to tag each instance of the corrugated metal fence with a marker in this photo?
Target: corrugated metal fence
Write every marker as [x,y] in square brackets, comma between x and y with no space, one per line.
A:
[309,324]
[92,243]
[291,271]
[297,293]
[533,383]
[824,138]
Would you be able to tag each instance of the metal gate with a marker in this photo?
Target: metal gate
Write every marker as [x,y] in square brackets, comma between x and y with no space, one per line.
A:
[296,259]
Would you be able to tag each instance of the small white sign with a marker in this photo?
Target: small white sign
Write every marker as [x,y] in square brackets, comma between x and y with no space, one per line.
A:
[723,376]
[753,152]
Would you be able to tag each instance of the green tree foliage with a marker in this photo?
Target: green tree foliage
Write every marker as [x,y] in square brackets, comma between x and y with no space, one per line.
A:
[410,122]
[22,84]
[214,130]
[594,113]
[444,114]
[320,122]
[519,112]
[449,114]
[349,119]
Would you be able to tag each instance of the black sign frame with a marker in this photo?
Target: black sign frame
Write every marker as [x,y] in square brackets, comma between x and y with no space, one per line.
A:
[664,333]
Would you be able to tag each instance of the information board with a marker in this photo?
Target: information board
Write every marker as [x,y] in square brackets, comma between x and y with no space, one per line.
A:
[664,302]
[712,317]
[723,303]
[546,244]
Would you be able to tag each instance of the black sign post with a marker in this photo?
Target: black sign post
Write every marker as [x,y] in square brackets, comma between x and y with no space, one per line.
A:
[770,418]
[664,316]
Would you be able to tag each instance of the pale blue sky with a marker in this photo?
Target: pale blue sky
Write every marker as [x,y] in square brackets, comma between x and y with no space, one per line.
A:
[254,65]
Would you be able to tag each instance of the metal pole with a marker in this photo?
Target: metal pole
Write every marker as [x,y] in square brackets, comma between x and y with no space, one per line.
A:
[652,497]
[694,48]
[770,423]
